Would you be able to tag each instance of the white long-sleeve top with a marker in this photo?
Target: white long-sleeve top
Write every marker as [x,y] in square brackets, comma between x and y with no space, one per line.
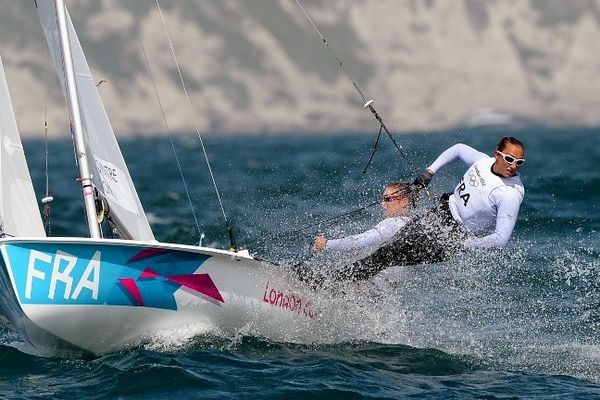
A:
[484,203]
[376,236]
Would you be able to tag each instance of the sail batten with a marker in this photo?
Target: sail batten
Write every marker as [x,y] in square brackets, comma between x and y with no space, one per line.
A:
[110,174]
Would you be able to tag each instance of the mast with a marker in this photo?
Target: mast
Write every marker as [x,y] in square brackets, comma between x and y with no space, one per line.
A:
[73,102]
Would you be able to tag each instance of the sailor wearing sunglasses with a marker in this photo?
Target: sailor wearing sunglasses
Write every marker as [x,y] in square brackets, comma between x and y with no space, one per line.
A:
[486,201]
[396,202]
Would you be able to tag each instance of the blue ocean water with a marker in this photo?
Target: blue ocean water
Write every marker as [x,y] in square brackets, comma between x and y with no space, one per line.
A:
[523,322]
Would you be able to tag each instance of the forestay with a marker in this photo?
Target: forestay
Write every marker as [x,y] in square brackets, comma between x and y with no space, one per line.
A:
[110,173]
[19,212]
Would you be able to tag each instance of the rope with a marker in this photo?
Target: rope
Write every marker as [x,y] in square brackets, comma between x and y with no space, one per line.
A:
[367,103]
[46,144]
[373,150]
[46,200]
[230,230]
[164,117]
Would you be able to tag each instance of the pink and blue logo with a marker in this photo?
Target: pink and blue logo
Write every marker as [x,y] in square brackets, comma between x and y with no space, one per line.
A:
[144,286]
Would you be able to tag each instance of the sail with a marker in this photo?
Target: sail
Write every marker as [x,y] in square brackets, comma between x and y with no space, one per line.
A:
[19,212]
[110,174]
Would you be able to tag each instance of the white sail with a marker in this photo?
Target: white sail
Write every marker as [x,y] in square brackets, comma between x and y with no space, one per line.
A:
[19,212]
[110,173]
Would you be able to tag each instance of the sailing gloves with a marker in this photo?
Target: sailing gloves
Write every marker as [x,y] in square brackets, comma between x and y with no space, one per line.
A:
[422,180]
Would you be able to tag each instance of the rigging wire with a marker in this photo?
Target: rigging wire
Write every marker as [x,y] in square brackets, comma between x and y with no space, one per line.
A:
[164,117]
[324,222]
[335,217]
[229,228]
[330,220]
[367,103]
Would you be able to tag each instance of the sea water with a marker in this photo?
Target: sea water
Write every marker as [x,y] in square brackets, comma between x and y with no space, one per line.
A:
[523,322]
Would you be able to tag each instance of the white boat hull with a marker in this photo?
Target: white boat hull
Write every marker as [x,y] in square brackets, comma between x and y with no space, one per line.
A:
[73,295]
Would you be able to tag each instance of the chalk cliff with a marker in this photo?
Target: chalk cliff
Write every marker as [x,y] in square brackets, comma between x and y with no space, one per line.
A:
[258,65]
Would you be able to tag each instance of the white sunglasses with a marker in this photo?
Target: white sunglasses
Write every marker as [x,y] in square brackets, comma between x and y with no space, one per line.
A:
[510,159]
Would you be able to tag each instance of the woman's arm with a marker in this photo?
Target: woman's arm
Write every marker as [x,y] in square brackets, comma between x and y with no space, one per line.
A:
[466,154]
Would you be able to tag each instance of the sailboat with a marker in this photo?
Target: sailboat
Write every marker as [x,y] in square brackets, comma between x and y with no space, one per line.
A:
[77,296]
